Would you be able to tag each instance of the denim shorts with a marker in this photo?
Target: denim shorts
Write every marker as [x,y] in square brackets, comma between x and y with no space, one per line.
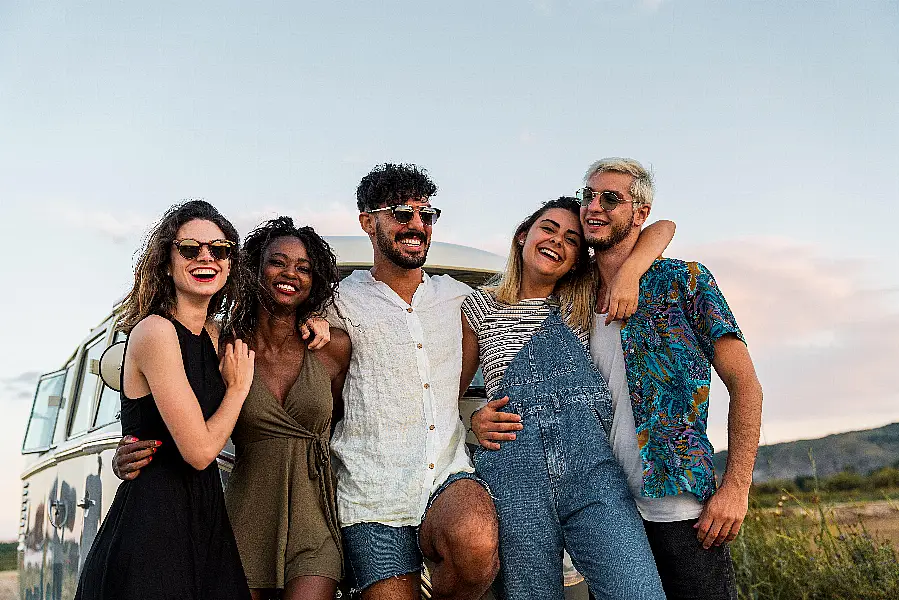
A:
[375,551]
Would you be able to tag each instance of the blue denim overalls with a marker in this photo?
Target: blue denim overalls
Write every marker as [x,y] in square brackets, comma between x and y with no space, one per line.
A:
[559,485]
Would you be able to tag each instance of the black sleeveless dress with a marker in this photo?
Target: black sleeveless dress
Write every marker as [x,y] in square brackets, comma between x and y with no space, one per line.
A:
[167,535]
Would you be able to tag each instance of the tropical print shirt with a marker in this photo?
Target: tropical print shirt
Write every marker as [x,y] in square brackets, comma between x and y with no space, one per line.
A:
[668,346]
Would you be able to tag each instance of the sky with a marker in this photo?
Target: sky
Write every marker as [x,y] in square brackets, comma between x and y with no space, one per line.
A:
[772,130]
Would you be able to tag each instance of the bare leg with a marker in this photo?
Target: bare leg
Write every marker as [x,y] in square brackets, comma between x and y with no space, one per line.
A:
[263,594]
[313,587]
[460,534]
[402,587]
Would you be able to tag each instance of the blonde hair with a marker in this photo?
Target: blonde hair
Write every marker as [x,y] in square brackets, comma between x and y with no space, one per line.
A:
[643,186]
[576,289]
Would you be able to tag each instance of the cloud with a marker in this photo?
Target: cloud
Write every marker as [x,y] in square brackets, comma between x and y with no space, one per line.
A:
[824,341]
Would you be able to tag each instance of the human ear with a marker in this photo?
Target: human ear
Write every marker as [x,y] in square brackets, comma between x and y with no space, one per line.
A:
[641,215]
[367,223]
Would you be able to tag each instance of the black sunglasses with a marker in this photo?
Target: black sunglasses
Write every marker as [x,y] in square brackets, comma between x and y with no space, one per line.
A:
[403,213]
[608,199]
[190,248]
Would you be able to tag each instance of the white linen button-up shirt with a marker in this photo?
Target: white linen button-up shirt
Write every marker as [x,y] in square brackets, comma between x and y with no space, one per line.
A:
[401,436]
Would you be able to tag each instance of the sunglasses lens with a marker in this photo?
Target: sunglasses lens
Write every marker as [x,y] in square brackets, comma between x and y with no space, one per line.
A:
[609,200]
[189,249]
[429,215]
[403,214]
[585,195]
[220,250]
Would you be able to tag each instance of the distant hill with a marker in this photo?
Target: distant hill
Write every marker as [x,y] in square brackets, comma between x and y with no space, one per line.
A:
[861,451]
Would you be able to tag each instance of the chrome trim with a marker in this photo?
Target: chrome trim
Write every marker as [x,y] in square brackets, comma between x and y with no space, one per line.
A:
[91,445]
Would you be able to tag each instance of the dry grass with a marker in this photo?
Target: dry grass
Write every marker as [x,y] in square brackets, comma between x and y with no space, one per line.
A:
[9,585]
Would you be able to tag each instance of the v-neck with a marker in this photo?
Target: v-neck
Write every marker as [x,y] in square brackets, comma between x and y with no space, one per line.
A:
[306,355]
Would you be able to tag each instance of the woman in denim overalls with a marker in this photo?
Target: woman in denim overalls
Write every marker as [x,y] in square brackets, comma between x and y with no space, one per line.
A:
[557,485]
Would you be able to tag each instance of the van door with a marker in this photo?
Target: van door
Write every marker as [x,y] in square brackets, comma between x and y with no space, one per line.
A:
[40,487]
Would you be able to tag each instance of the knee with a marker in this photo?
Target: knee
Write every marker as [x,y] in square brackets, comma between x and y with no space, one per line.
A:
[474,549]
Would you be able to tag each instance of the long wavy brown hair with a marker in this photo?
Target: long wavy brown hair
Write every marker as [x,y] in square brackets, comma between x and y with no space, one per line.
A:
[153,292]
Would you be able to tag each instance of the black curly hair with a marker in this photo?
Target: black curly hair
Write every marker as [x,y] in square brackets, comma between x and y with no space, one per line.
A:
[252,294]
[393,184]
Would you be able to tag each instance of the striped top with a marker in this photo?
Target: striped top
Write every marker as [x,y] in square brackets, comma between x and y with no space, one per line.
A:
[504,329]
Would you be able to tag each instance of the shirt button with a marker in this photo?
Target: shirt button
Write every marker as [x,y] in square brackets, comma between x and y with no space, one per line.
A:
[431,428]
[431,466]
[427,385]
[420,346]
[409,309]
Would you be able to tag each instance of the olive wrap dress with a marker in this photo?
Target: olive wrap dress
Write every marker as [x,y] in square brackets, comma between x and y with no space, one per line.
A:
[280,494]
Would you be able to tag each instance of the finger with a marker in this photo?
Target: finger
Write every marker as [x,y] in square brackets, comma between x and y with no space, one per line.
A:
[501,417]
[318,342]
[612,312]
[129,476]
[305,332]
[629,309]
[135,466]
[135,456]
[723,533]
[496,426]
[712,534]
[137,446]
[498,403]
[734,530]
[490,445]
[499,437]
[128,439]
[605,301]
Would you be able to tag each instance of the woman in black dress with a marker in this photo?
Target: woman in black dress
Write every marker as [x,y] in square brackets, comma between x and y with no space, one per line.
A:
[167,535]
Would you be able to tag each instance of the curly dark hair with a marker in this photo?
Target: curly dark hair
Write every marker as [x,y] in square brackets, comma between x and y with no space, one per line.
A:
[252,293]
[392,184]
[153,292]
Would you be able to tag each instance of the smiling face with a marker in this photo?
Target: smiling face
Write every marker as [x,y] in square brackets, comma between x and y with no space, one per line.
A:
[404,244]
[551,246]
[286,272]
[204,275]
[605,229]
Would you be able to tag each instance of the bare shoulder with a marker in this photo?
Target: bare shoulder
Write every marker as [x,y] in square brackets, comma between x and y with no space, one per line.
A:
[336,355]
[152,330]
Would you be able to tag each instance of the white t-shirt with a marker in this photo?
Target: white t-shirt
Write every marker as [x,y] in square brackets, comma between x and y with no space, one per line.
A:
[605,349]
[401,435]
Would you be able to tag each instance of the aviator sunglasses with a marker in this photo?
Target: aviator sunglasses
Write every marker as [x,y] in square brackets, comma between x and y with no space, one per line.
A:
[403,213]
[608,199]
[190,248]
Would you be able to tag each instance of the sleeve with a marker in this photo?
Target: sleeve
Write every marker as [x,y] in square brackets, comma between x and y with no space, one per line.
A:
[707,311]
[473,309]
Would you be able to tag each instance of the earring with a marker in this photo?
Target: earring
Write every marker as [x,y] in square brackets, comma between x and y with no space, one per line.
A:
[521,242]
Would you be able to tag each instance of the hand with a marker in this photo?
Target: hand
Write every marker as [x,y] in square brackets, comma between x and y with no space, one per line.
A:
[237,366]
[320,331]
[489,425]
[132,455]
[622,296]
[722,516]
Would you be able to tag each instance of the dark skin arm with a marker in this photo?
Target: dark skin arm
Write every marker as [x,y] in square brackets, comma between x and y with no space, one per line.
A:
[336,359]
[132,454]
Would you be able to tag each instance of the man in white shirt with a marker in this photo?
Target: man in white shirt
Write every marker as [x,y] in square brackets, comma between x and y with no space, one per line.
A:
[405,484]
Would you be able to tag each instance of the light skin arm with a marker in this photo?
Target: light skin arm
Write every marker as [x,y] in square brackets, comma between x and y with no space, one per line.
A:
[724,512]
[622,293]
[156,358]
[488,424]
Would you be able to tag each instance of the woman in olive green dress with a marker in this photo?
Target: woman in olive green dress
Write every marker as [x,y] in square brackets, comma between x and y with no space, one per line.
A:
[280,494]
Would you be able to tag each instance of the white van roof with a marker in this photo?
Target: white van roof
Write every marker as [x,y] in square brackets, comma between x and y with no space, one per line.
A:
[467,264]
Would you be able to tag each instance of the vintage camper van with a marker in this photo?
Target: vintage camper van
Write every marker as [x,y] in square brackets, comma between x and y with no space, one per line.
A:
[73,430]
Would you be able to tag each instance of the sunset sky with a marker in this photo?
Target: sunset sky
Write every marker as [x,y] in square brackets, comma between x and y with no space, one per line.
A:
[772,128]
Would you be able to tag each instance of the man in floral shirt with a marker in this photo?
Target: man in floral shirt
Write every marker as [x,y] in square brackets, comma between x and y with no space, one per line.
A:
[658,366]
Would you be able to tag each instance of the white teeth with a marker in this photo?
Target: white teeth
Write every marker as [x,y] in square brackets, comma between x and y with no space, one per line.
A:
[285,287]
[595,223]
[411,242]
[550,254]
[203,272]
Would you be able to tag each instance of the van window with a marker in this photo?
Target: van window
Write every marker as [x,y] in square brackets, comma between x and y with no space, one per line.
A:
[90,379]
[44,411]
[67,394]
[110,401]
